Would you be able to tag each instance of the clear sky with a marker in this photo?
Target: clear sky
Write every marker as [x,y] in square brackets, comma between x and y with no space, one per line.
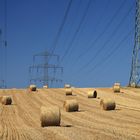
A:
[95,42]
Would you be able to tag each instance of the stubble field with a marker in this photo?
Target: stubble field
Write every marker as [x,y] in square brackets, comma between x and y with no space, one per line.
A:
[21,120]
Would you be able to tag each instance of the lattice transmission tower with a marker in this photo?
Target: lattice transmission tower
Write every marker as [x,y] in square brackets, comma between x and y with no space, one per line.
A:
[134,80]
[45,69]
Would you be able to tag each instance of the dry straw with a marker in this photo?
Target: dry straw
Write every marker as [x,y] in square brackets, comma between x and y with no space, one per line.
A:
[107,104]
[92,94]
[6,100]
[32,87]
[50,116]
[116,87]
[68,91]
[71,105]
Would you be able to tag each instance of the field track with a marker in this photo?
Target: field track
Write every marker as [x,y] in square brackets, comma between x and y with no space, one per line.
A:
[21,120]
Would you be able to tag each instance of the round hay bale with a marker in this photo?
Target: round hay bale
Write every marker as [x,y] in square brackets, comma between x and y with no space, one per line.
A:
[116,87]
[50,116]
[107,104]
[67,86]
[92,94]
[71,105]
[68,91]
[6,100]
[32,87]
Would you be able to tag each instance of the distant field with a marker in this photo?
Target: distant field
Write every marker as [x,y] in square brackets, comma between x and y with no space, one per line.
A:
[21,120]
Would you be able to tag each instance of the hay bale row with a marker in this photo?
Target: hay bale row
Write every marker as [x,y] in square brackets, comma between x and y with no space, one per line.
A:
[51,116]
[91,93]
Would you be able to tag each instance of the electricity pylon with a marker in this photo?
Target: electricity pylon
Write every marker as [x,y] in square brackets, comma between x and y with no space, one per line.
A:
[44,72]
[134,80]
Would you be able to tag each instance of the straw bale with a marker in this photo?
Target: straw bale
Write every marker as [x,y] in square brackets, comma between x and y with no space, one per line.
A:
[6,100]
[92,94]
[68,91]
[50,116]
[71,105]
[107,104]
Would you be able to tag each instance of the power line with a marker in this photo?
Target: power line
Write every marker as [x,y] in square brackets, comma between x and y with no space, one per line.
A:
[76,31]
[72,22]
[61,27]
[99,21]
[93,42]
[107,57]
[109,39]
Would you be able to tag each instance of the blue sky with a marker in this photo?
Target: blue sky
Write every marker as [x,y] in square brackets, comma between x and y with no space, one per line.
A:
[100,39]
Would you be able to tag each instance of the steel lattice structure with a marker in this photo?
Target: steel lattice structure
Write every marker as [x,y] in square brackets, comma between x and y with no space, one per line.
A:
[42,70]
[135,68]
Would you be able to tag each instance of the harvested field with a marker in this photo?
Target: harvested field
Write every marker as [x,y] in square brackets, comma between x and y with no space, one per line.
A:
[21,120]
